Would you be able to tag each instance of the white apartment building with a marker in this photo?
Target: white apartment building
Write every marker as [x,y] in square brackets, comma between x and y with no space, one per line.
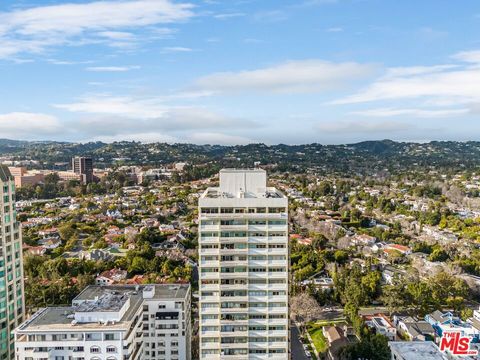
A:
[12,302]
[243,267]
[118,322]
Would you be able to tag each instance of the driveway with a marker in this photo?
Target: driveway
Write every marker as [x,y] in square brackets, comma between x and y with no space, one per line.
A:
[332,314]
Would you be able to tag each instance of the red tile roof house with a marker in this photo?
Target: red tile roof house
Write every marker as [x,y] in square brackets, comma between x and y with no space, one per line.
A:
[34,250]
[111,238]
[405,250]
[305,241]
[301,240]
[114,230]
[110,277]
[136,280]
[382,325]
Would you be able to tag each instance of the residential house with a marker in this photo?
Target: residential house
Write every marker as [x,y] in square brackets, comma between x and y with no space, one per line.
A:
[50,243]
[166,227]
[363,239]
[389,273]
[322,282]
[170,243]
[381,324]
[96,254]
[476,313]
[448,321]
[337,339]
[49,233]
[176,255]
[415,330]
[114,214]
[110,277]
[34,250]
[402,249]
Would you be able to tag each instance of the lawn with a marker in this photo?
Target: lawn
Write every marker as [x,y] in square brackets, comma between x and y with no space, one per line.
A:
[319,340]
[337,321]
[315,331]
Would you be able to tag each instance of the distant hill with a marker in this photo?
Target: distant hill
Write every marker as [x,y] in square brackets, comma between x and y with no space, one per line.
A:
[378,147]
[363,158]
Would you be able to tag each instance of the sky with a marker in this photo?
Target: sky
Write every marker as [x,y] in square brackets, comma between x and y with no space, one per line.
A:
[240,71]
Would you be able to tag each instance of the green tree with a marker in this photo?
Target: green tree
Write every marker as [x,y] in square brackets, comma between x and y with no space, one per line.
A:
[371,347]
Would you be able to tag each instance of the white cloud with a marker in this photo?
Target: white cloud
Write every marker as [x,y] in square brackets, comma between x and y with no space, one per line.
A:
[148,137]
[195,138]
[22,125]
[450,91]
[176,49]
[218,138]
[270,16]
[117,35]
[468,56]
[291,77]
[67,62]
[125,114]
[117,105]
[228,15]
[35,29]
[418,113]
[417,70]
[438,85]
[112,68]
[367,127]
[335,29]
[162,33]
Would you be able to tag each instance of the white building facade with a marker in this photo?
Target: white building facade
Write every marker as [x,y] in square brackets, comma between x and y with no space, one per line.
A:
[12,303]
[243,269]
[120,322]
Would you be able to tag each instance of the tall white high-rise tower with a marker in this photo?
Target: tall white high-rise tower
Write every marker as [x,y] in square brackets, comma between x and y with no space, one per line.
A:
[244,263]
[12,304]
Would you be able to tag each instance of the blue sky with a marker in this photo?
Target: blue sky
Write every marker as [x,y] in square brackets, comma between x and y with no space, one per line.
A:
[240,71]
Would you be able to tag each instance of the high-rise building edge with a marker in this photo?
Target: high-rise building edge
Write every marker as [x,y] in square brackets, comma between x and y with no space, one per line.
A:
[243,269]
[12,303]
[83,166]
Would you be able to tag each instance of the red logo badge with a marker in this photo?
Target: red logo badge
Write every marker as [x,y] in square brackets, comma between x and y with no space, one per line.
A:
[455,343]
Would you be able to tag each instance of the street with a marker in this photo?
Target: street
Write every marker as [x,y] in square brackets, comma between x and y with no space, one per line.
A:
[297,347]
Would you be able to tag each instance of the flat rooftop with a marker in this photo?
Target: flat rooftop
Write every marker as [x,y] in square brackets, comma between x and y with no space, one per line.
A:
[97,298]
[414,350]
[242,183]
[62,319]
[110,301]
[217,193]
[162,291]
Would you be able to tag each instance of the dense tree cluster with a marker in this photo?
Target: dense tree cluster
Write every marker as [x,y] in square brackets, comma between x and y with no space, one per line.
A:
[422,296]
[57,281]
